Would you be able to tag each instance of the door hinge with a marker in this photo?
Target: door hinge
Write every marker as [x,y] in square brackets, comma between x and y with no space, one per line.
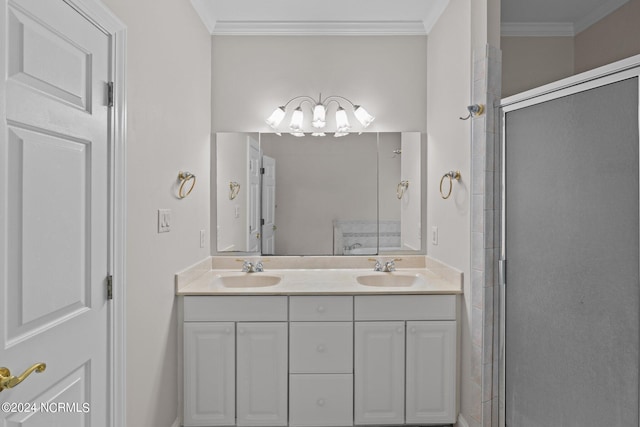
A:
[261,171]
[261,221]
[110,94]
[502,272]
[109,287]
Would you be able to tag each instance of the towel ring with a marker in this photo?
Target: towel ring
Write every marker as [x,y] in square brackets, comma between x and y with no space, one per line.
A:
[451,175]
[234,189]
[185,177]
[401,188]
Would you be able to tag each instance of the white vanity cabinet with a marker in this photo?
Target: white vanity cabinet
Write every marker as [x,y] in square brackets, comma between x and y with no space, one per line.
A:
[319,360]
[235,361]
[405,359]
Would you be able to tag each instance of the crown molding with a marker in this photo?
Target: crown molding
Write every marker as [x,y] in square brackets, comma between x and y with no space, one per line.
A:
[319,28]
[207,18]
[430,20]
[537,29]
[597,14]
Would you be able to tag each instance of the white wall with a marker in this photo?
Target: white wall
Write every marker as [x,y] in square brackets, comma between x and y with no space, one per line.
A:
[449,148]
[253,75]
[169,115]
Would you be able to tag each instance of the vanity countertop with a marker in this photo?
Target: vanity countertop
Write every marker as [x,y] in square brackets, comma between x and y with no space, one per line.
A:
[429,278]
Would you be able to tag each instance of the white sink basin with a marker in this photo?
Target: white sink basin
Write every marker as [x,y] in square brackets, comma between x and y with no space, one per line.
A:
[248,280]
[391,280]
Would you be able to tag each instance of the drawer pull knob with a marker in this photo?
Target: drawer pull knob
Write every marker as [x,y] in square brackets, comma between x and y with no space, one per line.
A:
[321,309]
[413,330]
[400,329]
[320,348]
[320,402]
[241,331]
[227,331]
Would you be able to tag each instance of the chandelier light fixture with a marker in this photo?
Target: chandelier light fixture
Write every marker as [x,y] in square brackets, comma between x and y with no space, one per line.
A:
[319,108]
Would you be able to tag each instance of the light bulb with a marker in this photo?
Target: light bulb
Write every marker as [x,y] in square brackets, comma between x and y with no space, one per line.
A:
[318,134]
[342,122]
[296,120]
[319,116]
[297,134]
[276,117]
[363,116]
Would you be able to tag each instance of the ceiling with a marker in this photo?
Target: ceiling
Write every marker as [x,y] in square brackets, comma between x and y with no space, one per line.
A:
[339,17]
[390,17]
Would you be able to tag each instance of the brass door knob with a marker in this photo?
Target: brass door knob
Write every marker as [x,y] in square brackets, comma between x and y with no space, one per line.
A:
[9,381]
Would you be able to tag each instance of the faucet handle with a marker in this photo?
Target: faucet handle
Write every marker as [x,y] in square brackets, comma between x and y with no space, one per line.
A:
[390,266]
[247,266]
[378,265]
[258,267]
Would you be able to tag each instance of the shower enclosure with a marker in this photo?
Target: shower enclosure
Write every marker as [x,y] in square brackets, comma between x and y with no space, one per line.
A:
[570,295]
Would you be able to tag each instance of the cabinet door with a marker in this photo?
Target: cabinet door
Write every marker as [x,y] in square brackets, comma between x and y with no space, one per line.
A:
[209,374]
[262,374]
[431,372]
[379,372]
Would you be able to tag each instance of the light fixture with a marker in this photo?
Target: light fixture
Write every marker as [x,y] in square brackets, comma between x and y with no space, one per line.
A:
[319,108]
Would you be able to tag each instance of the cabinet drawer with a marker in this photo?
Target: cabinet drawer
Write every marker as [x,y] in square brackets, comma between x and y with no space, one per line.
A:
[405,307]
[321,347]
[235,308]
[321,400]
[321,308]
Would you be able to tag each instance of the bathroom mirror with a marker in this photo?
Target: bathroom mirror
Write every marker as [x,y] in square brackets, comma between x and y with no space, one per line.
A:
[360,194]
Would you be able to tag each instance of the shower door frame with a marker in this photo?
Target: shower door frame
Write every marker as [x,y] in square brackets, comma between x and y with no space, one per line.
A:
[612,73]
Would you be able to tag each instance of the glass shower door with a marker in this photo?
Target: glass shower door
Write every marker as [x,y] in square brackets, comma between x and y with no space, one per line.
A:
[571,302]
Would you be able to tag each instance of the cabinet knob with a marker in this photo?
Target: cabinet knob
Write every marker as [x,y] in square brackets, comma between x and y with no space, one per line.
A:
[320,348]
[321,309]
[413,329]
[241,331]
[227,331]
[400,329]
[320,402]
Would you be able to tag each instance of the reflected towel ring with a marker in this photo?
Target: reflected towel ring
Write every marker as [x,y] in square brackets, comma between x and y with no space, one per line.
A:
[234,189]
[451,175]
[185,177]
[401,188]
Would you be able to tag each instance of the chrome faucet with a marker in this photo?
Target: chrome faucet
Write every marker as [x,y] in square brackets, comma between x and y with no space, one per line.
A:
[386,267]
[250,267]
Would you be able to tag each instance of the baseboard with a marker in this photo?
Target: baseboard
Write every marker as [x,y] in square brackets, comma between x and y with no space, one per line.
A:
[176,423]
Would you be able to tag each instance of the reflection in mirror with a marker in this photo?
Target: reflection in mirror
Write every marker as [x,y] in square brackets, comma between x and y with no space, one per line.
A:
[238,192]
[354,195]
[320,182]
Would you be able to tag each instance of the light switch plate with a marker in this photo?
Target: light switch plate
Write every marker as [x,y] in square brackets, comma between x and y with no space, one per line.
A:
[164,220]
[434,235]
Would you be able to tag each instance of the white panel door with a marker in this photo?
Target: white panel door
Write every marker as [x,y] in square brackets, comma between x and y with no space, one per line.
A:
[253,242]
[269,206]
[379,373]
[209,373]
[262,374]
[431,372]
[54,212]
